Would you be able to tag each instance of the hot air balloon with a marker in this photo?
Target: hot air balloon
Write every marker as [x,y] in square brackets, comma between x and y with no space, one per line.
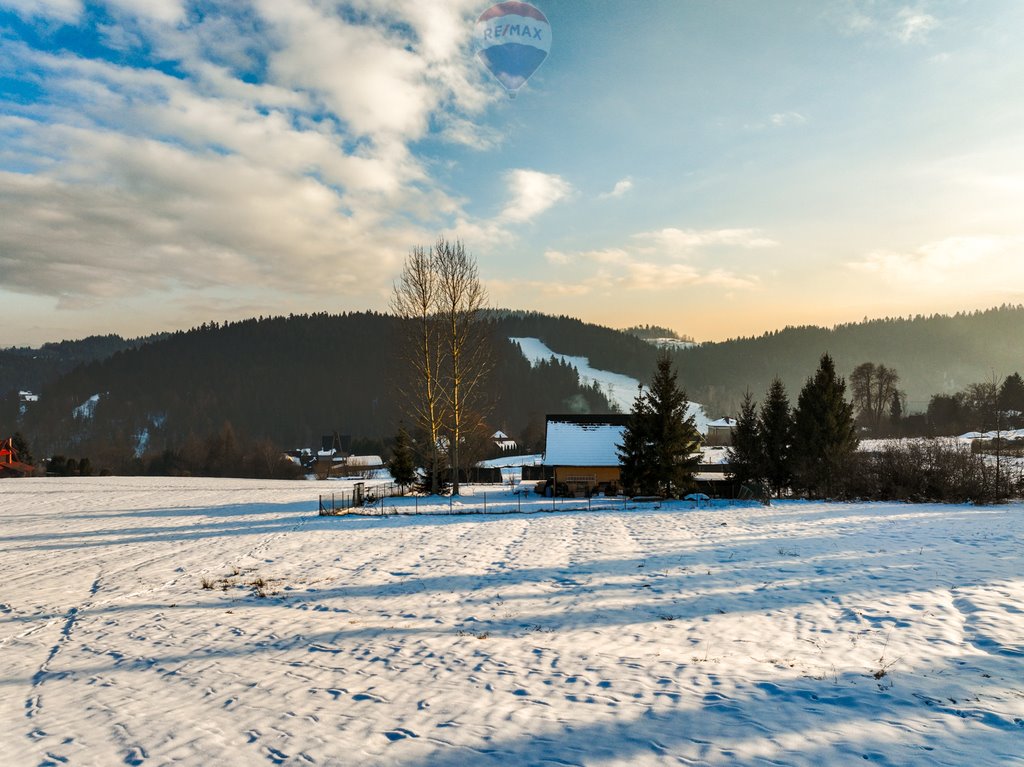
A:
[513,40]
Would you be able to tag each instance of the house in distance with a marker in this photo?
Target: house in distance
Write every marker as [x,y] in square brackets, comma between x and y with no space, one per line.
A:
[581,452]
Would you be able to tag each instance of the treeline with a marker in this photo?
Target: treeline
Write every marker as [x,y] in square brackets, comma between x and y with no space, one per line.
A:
[217,455]
[284,379]
[934,354]
[982,406]
[811,450]
[32,368]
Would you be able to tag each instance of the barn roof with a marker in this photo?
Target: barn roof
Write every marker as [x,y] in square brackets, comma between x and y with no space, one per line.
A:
[583,440]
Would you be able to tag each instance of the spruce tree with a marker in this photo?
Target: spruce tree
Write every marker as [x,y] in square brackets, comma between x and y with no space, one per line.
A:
[745,454]
[896,414]
[20,445]
[676,441]
[775,425]
[824,437]
[661,446]
[402,465]
[636,448]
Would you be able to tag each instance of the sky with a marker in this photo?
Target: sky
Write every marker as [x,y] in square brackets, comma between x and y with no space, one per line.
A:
[722,168]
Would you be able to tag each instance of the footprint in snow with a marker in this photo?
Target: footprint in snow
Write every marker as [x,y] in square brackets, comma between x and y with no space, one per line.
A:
[275,756]
[367,696]
[136,755]
[399,733]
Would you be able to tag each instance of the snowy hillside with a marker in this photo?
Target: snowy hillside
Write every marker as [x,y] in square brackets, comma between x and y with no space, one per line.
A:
[620,389]
[802,634]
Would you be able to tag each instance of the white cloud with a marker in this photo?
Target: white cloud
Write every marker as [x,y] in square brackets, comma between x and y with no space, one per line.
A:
[651,263]
[621,188]
[907,24]
[783,119]
[131,181]
[913,25]
[531,192]
[951,265]
[166,11]
[61,10]
[678,243]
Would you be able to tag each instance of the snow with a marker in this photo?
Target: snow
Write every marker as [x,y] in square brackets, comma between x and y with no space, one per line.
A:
[618,388]
[800,634]
[141,443]
[723,423]
[534,459]
[576,444]
[373,461]
[87,408]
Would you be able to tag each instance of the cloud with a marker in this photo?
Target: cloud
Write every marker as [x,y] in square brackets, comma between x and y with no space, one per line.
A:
[531,192]
[951,265]
[59,10]
[679,243]
[896,21]
[651,262]
[278,156]
[783,119]
[912,25]
[621,188]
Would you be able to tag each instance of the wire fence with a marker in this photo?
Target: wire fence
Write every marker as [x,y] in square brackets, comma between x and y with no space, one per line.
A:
[359,497]
[475,501]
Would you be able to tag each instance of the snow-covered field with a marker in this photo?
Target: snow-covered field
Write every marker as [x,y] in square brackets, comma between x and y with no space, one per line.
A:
[798,634]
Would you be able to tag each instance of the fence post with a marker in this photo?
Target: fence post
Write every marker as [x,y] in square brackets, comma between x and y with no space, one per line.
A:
[449,504]
[519,502]
[485,501]
[332,501]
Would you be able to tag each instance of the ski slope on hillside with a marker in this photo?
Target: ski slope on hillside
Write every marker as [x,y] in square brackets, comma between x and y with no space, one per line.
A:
[618,388]
[801,634]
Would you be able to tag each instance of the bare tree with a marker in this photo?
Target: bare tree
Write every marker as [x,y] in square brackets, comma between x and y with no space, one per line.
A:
[461,299]
[415,300]
[872,388]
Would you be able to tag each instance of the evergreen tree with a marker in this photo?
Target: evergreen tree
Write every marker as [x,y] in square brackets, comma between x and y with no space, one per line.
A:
[1011,400]
[824,436]
[20,445]
[402,466]
[676,441]
[636,449]
[745,454]
[661,445]
[896,414]
[775,426]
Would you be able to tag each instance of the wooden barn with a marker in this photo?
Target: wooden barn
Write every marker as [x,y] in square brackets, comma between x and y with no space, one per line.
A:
[581,452]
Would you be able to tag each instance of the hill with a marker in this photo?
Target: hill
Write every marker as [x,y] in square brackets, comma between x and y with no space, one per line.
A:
[287,379]
[292,379]
[933,354]
[32,369]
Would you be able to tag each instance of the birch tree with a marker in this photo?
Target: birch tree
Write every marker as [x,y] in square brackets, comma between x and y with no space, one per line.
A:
[442,299]
[461,299]
[415,300]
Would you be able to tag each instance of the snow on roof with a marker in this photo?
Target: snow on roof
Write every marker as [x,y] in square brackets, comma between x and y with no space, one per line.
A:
[582,444]
[364,460]
[725,423]
[714,455]
[499,435]
[511,460]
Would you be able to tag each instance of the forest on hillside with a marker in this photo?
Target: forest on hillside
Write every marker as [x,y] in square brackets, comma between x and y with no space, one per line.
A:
[934,354]
[293,379]
[286,379]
